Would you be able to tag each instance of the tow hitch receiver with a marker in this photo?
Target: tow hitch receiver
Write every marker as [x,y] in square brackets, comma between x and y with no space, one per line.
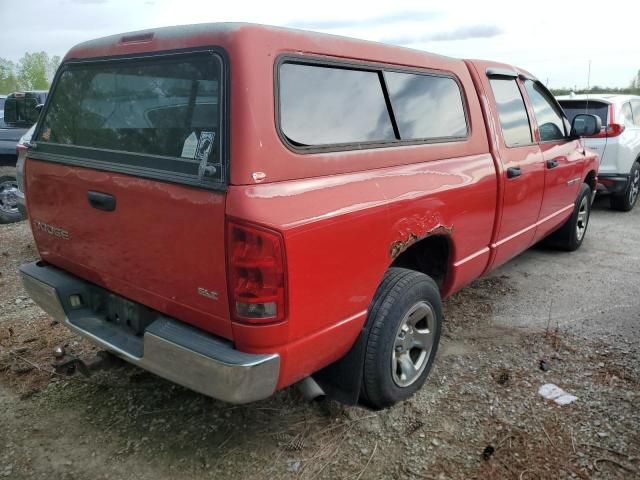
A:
[67,364]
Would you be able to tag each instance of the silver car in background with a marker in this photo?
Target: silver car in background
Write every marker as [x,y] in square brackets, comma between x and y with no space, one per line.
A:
[618,144]
[21,148]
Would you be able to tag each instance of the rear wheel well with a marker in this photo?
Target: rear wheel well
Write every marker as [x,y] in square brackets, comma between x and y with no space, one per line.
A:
[342,380]
[429,256]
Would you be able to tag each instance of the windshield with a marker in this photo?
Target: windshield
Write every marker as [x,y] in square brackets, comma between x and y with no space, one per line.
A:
[164,107]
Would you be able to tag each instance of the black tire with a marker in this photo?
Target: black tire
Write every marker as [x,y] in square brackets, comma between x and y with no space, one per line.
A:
[9,212]
[567,237]
[626,201]
[402,291]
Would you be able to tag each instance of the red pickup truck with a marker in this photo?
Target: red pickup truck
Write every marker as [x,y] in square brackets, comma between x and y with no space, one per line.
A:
[238,207]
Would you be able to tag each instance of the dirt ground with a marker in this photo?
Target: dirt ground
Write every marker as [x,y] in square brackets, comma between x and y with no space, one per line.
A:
[478,417]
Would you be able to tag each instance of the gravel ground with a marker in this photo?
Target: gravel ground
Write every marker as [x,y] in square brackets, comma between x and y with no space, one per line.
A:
[479,415]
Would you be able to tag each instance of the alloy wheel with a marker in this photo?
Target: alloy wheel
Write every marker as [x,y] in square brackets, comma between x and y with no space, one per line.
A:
[9,196]
[412,345]
[583,218]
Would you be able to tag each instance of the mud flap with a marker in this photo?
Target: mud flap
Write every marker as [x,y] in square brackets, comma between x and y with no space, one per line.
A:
[342,379]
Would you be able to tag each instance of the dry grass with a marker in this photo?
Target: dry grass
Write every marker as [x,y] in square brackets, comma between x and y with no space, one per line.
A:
[26,346]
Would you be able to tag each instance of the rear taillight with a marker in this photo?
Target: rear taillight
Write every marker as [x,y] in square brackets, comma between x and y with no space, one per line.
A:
[256,273]
[21,150]
[612,129]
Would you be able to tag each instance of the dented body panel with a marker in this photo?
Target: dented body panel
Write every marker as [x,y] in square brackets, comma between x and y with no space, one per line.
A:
[359,223]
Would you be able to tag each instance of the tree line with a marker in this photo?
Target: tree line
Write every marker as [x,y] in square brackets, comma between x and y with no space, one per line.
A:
[34,71]
[632,89]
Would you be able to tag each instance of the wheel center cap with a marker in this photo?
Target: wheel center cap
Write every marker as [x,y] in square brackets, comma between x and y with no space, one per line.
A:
[406,340]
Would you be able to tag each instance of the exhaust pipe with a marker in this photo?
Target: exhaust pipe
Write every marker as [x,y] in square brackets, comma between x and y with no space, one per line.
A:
[310,389]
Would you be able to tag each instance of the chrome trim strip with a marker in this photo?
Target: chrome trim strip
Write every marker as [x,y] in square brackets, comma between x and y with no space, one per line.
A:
[535,225]
[473,256]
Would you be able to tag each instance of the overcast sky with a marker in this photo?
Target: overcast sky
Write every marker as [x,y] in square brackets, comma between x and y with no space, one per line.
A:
[552,39]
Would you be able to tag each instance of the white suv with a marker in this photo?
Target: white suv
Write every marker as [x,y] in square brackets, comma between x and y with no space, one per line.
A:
[618,144]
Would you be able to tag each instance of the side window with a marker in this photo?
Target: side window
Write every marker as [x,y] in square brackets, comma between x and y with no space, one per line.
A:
[426,106]
[325,105]
[512,112]
[627,116]
[635,107]
[550,120]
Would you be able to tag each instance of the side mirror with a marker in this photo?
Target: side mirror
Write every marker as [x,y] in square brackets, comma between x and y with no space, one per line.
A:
[39,107]
[585,125]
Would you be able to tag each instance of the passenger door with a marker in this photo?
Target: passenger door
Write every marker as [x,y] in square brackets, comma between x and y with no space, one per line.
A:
[563,159]
[523,170]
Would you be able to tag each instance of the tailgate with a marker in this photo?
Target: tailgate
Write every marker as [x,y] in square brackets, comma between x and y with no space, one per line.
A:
[126,180]
[162,245]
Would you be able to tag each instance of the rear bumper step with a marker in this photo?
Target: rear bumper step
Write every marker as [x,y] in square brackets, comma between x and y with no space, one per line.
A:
[168,348]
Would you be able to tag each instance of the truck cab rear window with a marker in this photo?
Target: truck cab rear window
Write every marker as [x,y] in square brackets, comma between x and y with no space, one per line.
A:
[325,105]
[161,113]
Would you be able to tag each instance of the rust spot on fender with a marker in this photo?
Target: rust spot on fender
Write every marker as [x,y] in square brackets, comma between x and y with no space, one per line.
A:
[400,246]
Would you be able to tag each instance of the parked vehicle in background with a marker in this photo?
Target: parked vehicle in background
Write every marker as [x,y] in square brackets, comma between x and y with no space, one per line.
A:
[302,225]
[12,206]
[618,144]
[9,137]
[2,99]
[21,110]
[21,150]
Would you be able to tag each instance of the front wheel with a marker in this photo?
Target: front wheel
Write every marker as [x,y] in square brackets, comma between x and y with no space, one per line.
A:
[626,201]
[406,321]
[571,235]
[9,200]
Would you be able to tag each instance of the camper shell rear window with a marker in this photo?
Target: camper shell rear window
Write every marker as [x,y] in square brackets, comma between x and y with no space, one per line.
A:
[157,116]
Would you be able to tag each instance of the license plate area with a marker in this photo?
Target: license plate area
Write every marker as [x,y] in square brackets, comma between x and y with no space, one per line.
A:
[130,316]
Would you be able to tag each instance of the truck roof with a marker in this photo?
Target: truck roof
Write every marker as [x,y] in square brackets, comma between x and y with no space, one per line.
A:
[181,36]
[224,34]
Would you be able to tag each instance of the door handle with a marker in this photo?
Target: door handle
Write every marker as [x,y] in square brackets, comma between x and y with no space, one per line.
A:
[513,172]
[552,164]
[102,201]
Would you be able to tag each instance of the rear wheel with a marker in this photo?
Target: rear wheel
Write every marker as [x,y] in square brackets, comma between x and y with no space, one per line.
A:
[9,200]
[406,320]
[628,199]
[571,235]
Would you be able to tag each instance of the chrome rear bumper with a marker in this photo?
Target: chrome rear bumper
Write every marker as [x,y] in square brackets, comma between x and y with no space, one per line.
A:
[168,348]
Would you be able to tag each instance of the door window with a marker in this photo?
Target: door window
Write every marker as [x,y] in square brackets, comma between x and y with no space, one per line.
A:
[512,112]
[550,121]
